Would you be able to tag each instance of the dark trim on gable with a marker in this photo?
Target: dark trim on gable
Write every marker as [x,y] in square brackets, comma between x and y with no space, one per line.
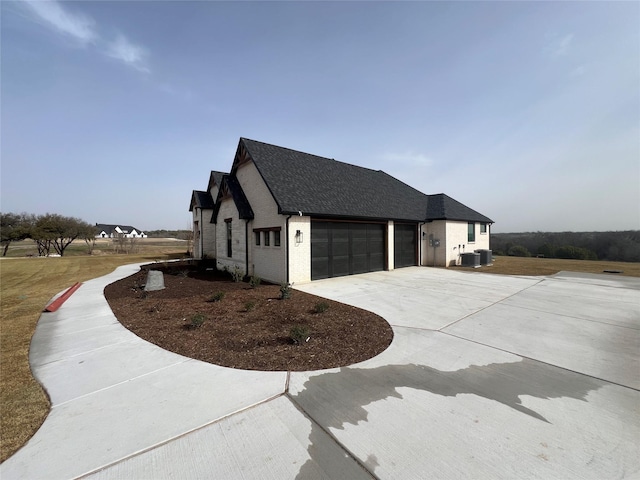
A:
[235,167]
[231,187]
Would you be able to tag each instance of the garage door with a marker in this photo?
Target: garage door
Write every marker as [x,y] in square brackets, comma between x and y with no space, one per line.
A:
[341,248]
[405,252]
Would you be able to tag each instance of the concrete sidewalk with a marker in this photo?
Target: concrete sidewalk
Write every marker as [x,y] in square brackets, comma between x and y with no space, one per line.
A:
[487,376]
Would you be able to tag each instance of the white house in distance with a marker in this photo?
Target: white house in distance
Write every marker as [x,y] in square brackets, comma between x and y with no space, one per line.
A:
[112,231]
[289,216]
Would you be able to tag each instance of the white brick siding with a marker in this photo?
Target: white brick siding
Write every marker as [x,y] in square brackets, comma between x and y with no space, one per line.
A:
[204,237]
[267,262]
[438,229]
[238,246]
[457,241]
[299,252]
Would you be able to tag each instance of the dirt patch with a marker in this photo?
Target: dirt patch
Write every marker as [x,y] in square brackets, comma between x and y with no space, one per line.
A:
[247,328]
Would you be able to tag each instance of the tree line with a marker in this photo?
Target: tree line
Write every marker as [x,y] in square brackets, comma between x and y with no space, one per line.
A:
[622,246]
[49,231]
[179,234]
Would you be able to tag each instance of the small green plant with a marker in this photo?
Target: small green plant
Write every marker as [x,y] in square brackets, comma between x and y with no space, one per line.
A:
[216,297]
[285,291]
[320,307]
[183,273]
[249,305]
[155,308]
[300,334]
[254,281]
[236,274]
[197,320]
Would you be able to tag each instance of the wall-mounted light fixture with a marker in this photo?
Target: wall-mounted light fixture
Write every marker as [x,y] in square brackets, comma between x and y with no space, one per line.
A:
[299,237]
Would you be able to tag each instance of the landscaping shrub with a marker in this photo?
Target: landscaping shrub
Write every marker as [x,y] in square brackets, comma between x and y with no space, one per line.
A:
[236,274]
[197,320]
[255,281]
[320,307]
[249,305]
[299,334]
[285,291]
[216,297]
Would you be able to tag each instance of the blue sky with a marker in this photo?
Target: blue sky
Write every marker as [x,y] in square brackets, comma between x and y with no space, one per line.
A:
[527,112]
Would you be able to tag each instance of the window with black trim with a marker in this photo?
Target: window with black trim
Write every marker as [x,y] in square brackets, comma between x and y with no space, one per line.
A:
[276,238]
[267,236]
[471,232]
[229,237]
[483,228]
[257,235]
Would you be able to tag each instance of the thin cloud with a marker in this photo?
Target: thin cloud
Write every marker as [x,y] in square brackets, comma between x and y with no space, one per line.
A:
[563,45]
[84,29]
[409,158]
[125,51]
[51,13]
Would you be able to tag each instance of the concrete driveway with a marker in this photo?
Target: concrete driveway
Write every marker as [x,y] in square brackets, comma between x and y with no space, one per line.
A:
[487,377]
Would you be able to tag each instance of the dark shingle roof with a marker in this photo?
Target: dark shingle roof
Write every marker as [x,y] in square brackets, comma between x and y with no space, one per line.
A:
[215,178]
[201,199]
[443,207]
[237,194]
[109,228]
[319,186]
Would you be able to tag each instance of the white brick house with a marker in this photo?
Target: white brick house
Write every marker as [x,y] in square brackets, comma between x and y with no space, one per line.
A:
[289,216]
[112,231]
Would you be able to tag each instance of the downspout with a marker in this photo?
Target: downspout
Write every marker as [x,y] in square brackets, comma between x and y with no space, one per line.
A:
[200,235]
[246,246]
[287,252]
[420,235]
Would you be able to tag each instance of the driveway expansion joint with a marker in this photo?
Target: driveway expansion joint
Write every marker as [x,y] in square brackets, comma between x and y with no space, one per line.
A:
[491,305]
[543,362]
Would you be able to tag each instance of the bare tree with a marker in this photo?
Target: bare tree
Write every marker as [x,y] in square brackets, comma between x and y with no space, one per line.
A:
[58,231]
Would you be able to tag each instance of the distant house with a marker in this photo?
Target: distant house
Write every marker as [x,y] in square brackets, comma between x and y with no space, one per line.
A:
[289,216]
[113,231]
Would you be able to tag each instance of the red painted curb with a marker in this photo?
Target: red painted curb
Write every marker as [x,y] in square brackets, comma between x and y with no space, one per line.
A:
[57,303]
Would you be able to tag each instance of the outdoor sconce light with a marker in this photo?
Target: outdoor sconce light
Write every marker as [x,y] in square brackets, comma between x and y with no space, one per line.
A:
[298,236]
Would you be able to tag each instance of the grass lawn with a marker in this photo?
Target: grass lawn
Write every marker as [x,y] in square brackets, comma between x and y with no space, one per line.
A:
[549,266]
[26,285]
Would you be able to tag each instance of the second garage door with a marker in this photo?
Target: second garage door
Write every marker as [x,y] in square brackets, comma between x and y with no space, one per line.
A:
[404,246]
[345,248]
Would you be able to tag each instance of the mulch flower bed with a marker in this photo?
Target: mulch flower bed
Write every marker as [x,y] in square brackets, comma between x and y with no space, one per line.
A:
[207,316]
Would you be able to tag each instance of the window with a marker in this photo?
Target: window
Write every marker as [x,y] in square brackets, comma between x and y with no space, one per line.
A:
[471,232]
[276,238]
[257,234]
[267,235]
[483,228]
[229,237]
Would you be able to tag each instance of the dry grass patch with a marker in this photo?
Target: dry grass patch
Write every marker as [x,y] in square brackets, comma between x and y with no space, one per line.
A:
[550,266]
[26,285]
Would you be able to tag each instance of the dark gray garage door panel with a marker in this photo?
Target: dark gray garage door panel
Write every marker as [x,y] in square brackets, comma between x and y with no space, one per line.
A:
[404,245]
[344,248]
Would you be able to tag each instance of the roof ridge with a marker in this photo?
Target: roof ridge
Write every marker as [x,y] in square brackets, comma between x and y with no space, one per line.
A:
[312,155]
